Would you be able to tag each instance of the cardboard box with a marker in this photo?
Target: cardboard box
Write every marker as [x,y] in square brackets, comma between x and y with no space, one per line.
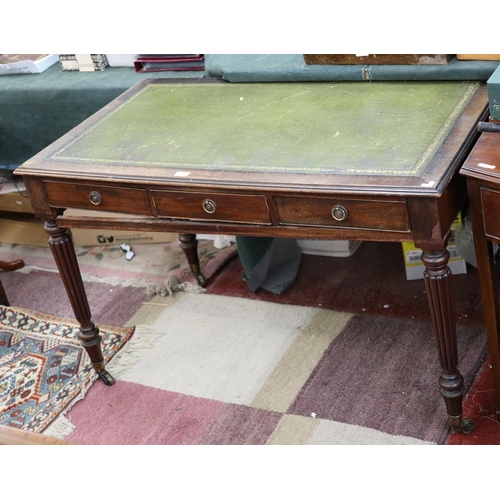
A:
[23,229]
[377,58]
[478,57]
[15,201]
[91,237]
[414,265]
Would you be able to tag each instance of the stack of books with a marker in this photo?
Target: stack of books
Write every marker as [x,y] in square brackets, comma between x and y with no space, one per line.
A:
[83,62]
[169,62]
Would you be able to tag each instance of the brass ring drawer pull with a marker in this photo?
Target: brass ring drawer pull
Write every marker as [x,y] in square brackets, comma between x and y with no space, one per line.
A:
[95,198]
[339,213]
[209,206]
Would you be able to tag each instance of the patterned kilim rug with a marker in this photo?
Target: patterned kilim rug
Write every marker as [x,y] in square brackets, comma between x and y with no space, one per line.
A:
[43,368]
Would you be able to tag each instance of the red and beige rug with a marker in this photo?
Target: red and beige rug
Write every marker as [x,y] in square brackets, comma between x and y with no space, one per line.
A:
[161,267]
[229,370]
[346,356]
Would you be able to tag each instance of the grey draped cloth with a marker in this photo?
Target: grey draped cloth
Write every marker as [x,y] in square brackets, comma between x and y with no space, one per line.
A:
[269,263]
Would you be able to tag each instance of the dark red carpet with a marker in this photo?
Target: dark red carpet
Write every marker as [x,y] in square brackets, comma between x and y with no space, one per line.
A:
[373,281]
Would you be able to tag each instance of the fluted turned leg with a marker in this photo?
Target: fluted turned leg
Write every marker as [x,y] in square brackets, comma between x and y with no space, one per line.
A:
[438,283]
[189,244]
[61,244]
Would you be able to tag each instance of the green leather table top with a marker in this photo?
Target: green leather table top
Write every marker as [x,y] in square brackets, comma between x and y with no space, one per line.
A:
[355,128]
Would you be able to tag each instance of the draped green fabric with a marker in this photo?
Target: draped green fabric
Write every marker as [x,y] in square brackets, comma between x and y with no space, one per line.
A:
[238,68]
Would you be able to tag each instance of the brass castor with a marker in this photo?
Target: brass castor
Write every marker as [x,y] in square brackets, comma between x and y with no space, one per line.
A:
[467,426]
[200,279]
[106,377]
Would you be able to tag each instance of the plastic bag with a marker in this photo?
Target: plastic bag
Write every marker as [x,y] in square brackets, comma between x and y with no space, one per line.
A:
[464,241]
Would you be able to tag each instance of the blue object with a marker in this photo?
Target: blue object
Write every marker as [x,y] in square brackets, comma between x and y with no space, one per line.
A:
[493,85]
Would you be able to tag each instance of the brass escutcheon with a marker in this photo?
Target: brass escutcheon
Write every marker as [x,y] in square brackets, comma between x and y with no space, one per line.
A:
[339,213]
[95,198]
[209,206]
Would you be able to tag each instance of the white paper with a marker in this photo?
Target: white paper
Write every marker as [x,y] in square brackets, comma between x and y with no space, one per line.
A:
[29,66]
[85,62]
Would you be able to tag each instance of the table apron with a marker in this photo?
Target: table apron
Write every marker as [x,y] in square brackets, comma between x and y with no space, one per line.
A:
[284,231]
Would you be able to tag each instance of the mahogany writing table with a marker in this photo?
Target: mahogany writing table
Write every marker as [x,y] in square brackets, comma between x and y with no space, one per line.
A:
[356,161]
[482,169]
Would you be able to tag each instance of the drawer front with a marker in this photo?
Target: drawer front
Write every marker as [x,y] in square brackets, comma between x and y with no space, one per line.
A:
[339,212]
[95,197]
[237,208]
[491,207]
